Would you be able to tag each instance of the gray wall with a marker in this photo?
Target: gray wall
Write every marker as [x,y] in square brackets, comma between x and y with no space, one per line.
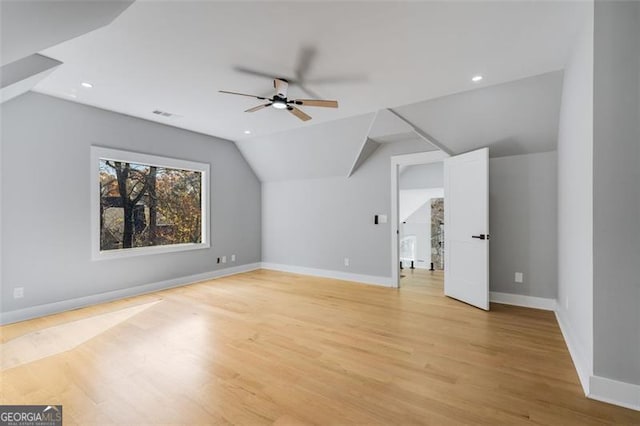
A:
[523,223]
[575,203]
[316,223]
[46,241]
[616,191]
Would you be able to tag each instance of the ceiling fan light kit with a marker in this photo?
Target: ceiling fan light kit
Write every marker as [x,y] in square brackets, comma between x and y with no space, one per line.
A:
[279,104]
[280,101]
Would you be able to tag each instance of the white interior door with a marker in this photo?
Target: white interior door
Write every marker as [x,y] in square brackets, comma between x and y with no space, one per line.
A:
[466,228]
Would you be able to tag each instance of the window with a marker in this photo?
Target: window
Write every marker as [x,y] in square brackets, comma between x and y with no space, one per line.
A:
[145,204]
[408,248]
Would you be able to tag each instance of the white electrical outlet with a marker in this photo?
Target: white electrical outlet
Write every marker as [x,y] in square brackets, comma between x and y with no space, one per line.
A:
[382,218]
[224,259]
[18,292]
[233,257]
[346,261]
[519,278]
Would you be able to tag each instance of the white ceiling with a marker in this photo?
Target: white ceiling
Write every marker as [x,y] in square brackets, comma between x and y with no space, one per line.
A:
[175,56]
[519,117]
[321,150]
[387,124]
[29,26]
[410,200]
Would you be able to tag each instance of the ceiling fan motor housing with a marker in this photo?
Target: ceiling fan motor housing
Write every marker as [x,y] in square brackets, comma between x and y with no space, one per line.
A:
[279,102]
[281,89]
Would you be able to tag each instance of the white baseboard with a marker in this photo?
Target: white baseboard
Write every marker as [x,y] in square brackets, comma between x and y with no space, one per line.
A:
[521,300]
[325,273]
[81,302]
[614,392]
[581,360]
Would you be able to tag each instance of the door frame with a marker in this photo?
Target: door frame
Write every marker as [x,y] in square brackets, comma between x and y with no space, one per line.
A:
[396,162]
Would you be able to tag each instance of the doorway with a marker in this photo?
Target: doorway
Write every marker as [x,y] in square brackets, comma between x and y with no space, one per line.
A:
[421,219]
[416,181]
[466,222]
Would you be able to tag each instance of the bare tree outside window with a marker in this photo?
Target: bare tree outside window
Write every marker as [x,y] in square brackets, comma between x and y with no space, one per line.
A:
[143,205]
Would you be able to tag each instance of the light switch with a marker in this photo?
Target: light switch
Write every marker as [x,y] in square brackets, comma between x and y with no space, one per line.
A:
[382,218]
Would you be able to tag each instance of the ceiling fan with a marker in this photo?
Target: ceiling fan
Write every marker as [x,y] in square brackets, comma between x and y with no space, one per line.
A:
[280,100]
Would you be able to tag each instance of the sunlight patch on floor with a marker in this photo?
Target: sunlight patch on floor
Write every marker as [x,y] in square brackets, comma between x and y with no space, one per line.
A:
[61,338]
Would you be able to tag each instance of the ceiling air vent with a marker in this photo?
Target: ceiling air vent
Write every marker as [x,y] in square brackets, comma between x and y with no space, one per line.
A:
[163,113]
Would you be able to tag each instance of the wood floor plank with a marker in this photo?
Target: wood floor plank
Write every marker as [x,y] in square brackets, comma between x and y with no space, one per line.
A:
[269,347]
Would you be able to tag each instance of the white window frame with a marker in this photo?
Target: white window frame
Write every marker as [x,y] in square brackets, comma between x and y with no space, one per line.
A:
[100,153]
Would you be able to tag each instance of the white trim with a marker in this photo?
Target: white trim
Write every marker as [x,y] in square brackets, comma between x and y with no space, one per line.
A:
[615,392]
[578,356]
[98,153]
[422,134]
[595,387]
[522,300]
[81,302]
[396,161]
[326,273]
[364,142]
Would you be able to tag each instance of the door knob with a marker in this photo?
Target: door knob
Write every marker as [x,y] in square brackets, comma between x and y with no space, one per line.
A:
[481,236]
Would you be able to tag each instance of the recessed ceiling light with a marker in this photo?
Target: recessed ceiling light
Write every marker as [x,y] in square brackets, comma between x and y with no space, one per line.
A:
[87,85]
[476,78]
[247,132]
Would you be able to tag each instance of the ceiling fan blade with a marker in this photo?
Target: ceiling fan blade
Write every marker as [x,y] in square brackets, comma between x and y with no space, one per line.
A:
[258,108]
[253,72]
[305,89]
[281,87]
[353,78]
[316,103]
[298,113]
[242,94]
[305,57]
[260,73]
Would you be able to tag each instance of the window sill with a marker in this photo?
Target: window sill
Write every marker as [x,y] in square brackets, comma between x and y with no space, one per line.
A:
[142,251]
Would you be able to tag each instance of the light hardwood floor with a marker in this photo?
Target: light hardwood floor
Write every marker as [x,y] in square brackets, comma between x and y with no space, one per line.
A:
[268,347]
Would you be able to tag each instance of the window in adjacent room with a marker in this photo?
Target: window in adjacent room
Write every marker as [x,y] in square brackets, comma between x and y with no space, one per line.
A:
[144,204]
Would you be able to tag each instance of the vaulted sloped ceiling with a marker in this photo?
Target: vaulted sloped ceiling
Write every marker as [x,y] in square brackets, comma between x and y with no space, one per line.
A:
[416,58]
[29,26]
[321,150]
[513,118]
[20,76]
[333,149]
[389,128]
[369,55]
[386,128]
